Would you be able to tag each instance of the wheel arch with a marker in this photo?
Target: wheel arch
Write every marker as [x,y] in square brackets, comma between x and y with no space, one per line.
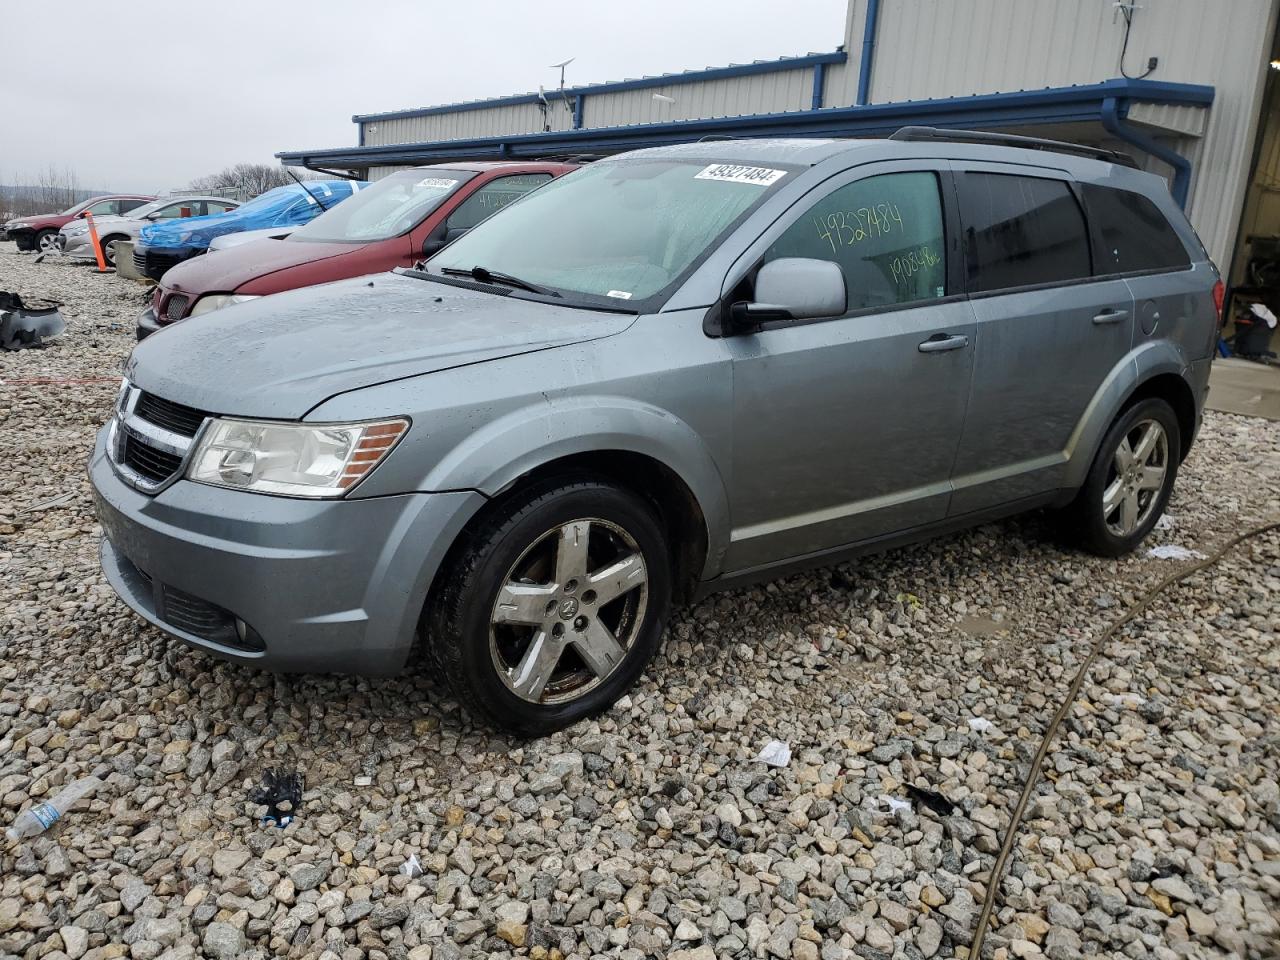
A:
[1156,369]
[634,444]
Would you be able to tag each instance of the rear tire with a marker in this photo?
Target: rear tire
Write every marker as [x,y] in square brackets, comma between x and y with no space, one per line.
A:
[553,606]
[1129,483]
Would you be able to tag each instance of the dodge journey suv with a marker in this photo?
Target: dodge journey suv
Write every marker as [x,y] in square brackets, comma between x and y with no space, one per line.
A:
[672,371]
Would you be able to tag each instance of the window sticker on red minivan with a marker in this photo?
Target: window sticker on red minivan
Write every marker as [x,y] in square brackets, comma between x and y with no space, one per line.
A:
[439,183]
[736,173]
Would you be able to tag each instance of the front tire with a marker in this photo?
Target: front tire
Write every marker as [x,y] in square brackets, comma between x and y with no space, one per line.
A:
[1130,481]
[46,241]
[109,248]
[554,605]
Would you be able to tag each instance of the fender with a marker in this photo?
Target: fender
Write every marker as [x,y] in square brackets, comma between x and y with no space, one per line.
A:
[1142,363]
[495,456]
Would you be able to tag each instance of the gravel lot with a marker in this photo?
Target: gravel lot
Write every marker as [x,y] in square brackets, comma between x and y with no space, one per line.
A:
[652,832]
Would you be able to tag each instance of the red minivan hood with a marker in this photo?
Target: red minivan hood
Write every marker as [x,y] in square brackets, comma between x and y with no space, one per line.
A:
[223,271]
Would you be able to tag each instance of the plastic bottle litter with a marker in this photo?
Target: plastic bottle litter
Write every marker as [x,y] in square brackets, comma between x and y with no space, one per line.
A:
[42,816]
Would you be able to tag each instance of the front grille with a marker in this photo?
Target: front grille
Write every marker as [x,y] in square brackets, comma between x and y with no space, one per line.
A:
[176,307]
[153,263]
[149,463]
[165,413]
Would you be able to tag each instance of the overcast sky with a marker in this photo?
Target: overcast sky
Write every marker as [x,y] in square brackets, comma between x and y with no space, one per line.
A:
[147,94]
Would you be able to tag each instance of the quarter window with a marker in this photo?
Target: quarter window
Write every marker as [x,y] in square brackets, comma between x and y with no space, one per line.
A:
[1131,233]
[492,197]
[105,208]
[1021,231]
[884,232]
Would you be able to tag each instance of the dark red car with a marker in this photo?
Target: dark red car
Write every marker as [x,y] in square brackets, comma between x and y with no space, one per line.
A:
[394,223]
[40,232]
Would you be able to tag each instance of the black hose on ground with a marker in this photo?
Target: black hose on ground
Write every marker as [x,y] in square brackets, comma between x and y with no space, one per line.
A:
[1033,775]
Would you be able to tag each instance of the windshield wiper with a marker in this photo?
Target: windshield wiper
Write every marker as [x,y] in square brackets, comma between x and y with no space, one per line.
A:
[485,275]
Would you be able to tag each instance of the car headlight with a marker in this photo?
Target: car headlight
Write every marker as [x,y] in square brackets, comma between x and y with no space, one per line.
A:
[292,459]
[216,301]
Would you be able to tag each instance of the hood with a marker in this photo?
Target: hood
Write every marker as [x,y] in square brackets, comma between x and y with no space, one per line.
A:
[101,223]
[280,356]
[42,221]
[223,271]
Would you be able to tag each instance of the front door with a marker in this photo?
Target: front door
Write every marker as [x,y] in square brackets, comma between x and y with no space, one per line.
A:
[1048,333]
[846,429]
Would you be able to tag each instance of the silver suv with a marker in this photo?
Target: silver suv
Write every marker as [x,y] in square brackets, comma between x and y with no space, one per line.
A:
[667,373]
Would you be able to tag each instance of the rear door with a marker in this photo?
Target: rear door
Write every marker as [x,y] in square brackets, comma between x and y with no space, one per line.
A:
[1133,238]
[846,428]
[1048,332]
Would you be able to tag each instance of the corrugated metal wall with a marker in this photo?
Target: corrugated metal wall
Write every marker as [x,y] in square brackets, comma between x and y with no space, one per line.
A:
[946,48]
[758,93]
[463,124]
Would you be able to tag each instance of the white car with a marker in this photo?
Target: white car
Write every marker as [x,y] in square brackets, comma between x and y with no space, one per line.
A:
[228,240]
[73,239]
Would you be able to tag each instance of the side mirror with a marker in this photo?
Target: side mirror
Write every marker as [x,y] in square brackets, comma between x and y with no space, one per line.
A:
[441,237]
[793,288]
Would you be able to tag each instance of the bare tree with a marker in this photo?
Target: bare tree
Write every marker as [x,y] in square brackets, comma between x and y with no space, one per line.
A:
[56,188]
[246,180]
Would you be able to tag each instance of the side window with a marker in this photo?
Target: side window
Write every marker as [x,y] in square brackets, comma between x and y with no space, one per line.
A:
[492,197]
[886,234]
[215,207]
[105,208]
[1131,233]
[175,210]
[130,203]
[1021,231]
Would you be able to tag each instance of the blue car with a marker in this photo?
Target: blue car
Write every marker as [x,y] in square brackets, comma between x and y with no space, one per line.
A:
[162,245]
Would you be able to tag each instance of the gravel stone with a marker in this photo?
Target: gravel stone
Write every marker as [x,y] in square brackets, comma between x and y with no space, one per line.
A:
[649,831]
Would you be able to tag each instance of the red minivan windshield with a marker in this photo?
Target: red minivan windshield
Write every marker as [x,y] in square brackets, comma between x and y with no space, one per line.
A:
[392,206]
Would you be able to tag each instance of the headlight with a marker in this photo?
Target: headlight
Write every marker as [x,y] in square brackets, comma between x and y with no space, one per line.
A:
[292,459]
[216,301]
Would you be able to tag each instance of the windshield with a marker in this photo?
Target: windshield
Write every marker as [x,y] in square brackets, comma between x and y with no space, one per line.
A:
[72,211]
[392,206]
[624,230]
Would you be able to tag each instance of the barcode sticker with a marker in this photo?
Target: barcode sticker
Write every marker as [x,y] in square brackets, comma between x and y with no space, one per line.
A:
[619,294]
[439,183]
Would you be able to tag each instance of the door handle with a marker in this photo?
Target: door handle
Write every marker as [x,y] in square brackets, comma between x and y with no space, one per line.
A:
[942,341]
[1109,316]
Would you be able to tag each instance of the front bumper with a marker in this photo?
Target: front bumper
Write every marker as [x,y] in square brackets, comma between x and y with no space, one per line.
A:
[147,323]
[154,262]
[321,586]
[24,237]
[77,246]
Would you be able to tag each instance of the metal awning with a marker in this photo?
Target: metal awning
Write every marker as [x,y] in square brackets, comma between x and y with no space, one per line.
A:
[1174,108]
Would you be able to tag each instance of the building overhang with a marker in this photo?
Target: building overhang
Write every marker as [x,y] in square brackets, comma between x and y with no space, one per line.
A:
[1107,102]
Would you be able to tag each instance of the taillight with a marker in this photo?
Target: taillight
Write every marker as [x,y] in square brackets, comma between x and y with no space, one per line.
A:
[1219,298]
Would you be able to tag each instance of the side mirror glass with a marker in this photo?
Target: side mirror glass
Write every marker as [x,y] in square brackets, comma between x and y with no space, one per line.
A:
[794,288]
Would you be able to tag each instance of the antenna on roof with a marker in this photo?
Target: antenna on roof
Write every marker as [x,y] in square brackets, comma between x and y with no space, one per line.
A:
[560,66]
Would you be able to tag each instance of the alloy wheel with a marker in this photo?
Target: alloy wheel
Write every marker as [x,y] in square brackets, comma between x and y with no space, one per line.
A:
[568,611]
[48,242]
[1138,469]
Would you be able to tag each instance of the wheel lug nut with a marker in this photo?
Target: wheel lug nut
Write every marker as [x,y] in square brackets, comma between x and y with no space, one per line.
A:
[580,623]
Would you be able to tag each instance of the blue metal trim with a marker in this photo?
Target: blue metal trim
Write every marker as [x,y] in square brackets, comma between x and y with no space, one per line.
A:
[689,76]
[868,52]
[819,85]
[1114,112]
[1053,105]
[577,111]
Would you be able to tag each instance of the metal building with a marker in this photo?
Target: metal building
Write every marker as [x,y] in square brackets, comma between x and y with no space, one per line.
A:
[1192,97]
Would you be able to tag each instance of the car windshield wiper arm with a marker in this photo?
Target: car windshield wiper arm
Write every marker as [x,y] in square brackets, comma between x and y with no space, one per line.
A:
[492,276]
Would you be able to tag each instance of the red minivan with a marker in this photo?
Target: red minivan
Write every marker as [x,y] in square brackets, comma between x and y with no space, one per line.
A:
[394,223]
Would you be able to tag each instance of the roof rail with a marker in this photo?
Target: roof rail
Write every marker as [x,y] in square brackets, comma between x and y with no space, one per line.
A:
[1011,140]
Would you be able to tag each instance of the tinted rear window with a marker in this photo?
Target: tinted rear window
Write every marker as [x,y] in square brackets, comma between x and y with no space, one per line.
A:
[1131,233]
[1021,231]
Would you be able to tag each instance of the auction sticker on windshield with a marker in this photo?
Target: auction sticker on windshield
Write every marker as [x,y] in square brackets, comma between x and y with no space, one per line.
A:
[736,173]
[439,183]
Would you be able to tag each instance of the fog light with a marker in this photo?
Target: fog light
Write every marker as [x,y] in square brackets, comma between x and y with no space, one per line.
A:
[242,630]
